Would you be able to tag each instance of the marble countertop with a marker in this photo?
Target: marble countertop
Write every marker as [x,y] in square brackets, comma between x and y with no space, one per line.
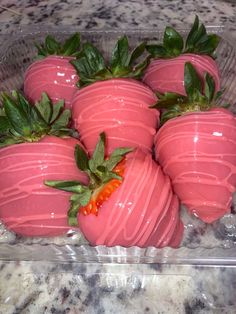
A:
[119,14]
[36,287]
[134,289]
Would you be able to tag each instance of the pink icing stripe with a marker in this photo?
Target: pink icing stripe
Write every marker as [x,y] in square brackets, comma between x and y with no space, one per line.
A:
[167,75]
[23,220]
[172,228]
[117,134]
[198,152]
[143,211]
[168,224]
[177,235]
[53,75]
[112,106]
[27,206]
[158,213]
[116,216]
[122,225]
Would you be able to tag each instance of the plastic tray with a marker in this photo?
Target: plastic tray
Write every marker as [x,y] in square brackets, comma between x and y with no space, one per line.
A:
[44,287]
[202,244]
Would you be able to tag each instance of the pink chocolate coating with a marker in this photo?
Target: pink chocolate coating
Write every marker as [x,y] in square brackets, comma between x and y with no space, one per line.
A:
[120,108]
[143,211]
[27,206]
[198,152]
[53,75]
[167,75]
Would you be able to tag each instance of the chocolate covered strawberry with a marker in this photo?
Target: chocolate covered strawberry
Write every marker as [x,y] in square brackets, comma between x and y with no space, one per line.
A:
[129,201]
[165,72]
[197,148]
[111,99]
[34,145]
[53,73]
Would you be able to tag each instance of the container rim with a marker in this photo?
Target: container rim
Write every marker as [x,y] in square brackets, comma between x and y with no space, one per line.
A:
[101,254]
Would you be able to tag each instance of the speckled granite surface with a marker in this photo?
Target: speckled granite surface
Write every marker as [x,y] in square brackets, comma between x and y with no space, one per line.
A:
[83,288]
[35,287]
[124,14]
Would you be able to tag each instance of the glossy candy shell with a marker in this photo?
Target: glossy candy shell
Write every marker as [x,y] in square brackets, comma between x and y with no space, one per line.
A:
[27,206]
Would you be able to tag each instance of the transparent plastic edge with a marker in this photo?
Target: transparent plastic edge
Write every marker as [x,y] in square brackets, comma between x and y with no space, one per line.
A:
[102,254]
[118,254]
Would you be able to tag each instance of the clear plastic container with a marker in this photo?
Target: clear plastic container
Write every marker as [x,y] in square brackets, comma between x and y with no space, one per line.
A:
[46,287]
[213,244]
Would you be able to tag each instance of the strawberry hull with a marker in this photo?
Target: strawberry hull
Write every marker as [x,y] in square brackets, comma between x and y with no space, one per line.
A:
[53,75]
[198,152]
[118,107]
[27,206]
[167,75]
[143,211]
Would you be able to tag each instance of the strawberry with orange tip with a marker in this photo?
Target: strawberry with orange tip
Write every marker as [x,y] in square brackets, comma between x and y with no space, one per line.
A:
[129,201]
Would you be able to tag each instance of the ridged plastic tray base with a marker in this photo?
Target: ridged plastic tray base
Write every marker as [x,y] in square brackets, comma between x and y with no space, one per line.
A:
[208,245]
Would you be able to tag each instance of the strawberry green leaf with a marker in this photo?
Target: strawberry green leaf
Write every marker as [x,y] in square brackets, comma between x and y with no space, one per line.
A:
[77,200]
[121,151]
[4,125]
[45,107]
[82,67]
[100,172]
[192,82]
[81,158]
[85,197]
[209,87]
[170,114]
[208,45]
[198,41]
[110,176]
[101,168]
[173,41]
[16,115]
[73,210]
[120,71]
[116,156]
[201,96]
[137,52]
[198,97]
[191,36]
[38,124]
[99,154]
[139,69]
[62,120]
[199,36]
[29,123]
[120,54]
[71,45]
[168,99]
[110,163]
[23,104]
[7,141]
[91,66]
[52,47]
[101,75]
[157,51]
[57,110]
[94,58]
[35,120]
[41,51]
[68,186]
